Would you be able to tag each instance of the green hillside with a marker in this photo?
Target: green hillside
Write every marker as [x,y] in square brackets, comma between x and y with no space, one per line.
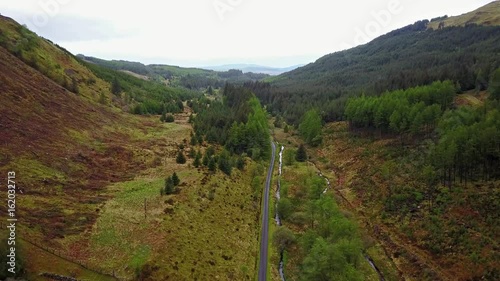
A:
[408,57]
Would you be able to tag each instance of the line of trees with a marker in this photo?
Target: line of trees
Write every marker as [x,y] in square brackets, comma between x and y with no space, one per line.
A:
[412,111]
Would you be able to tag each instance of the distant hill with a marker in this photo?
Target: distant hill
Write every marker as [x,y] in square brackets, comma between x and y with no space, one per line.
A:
[486,15]
[254,68]
[188,77]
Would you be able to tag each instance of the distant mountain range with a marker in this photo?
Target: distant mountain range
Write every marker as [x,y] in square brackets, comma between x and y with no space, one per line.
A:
[253,68]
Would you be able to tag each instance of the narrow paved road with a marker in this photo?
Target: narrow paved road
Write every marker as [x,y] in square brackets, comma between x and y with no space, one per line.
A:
[264,238]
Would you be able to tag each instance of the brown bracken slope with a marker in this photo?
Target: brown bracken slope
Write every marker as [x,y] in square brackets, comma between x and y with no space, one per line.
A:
[64,149]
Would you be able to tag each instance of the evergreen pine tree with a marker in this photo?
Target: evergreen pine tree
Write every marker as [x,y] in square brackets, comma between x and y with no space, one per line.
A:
[212,165]
[197,160]
[225,164]
[163,117]
[206,159]
[169,186]
[301,154]
[175,179]
[181,159]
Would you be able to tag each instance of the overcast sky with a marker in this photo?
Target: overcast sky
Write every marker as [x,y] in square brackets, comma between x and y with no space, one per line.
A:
[214,32]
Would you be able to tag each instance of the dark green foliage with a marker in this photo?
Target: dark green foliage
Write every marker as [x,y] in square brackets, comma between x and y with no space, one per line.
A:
[116,89]
[224,163]
[239,123]
[193,140]
[169,186]
[335,261]
[240,163]
[205,159]
[310,128]
[278,122]
[301,155]
[180,159]
[253,137]
[175,179]
[210,151]
[495,86]
[197,160]
[169,118]
[469,145]
[332,246]
[285,208]
[212,164]
[283,238]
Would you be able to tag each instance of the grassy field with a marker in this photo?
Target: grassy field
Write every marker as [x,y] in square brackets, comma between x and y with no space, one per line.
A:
[207,231]
[88,205]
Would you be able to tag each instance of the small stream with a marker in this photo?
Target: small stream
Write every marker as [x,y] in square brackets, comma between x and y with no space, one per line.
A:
[370,261]
[277,216]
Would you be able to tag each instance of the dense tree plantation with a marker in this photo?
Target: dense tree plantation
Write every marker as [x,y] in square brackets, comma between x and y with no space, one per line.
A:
[413,111]
[239,123]
[468,148]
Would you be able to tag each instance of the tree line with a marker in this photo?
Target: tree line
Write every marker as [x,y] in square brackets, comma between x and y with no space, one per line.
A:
[412,111]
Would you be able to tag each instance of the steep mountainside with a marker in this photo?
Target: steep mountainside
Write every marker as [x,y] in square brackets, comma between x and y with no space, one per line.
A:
[58,143]
[407,57]
[401,59]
